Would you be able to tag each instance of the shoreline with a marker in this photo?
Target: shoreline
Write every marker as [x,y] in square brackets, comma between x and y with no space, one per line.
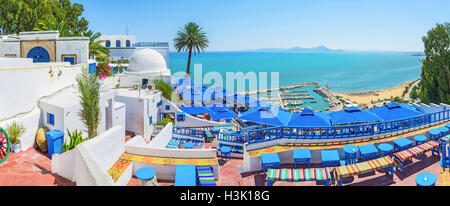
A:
[368,97]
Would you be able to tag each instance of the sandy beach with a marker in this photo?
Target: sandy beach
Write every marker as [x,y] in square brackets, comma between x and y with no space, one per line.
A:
[373,96]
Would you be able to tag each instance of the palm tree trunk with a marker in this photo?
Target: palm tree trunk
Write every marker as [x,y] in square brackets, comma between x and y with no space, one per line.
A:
[188,71]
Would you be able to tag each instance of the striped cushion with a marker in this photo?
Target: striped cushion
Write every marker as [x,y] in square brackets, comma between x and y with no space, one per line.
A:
[295,175]
[174,142]
[364,167]
[445,139]
[234,148]
[205,176]
[416,151]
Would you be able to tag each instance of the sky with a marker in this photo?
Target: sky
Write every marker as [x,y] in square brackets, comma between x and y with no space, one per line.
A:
[235,25]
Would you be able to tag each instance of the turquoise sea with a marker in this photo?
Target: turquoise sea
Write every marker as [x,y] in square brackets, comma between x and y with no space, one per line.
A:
[343,72]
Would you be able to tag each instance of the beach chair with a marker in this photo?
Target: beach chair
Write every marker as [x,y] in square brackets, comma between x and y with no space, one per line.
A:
[205,176]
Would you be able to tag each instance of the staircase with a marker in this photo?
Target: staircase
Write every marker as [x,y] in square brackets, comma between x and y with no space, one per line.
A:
[205,176]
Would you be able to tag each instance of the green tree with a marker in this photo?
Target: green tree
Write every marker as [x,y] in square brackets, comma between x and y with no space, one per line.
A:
[53,24]
[435,84]
[191,38]
[89,88]
[96,49]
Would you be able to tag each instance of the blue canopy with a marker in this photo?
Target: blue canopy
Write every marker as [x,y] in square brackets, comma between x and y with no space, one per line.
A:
[395,111]
[219,113]
[196,110]
[353,115]
[275,116]
[307,118]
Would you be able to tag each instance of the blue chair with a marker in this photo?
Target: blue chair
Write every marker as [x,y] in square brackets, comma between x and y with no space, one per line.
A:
[302,156]
[270,161]
[225,151]
[330,158]
[434,134]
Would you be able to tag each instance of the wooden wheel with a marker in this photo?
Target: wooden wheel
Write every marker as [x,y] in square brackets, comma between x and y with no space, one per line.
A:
[5,145]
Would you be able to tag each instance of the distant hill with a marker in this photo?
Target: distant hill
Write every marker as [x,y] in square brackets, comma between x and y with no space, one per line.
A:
[319,49]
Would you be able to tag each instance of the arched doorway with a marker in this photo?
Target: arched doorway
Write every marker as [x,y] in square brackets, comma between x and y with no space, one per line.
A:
[39,54]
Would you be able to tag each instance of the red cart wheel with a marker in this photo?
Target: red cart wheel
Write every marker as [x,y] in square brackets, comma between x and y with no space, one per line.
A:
[5,145]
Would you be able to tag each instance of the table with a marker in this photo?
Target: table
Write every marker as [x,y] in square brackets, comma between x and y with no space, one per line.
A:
[188,145]
[385,149]
[330,158]
[434,134]
[350,154]
[147,176]
[367,152]
[185,175]
[420,139]
[402,144]
[225,150]
[269,161]
[426,179]
[302,156]
[444,131]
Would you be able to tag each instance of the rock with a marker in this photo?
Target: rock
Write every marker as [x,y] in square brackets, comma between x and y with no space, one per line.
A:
[41,140]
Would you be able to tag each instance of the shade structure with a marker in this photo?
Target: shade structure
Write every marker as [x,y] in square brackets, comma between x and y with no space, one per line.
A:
[195,110]
[275,116]
[353,115]
[395,111]
[219,113]
[309,118]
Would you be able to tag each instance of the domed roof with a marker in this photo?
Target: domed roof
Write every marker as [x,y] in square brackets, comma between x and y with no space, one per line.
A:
[147,60]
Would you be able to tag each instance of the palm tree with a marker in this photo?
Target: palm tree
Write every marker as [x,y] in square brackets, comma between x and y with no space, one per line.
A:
[191,38]
[95,46]
[89,88]
[53,24]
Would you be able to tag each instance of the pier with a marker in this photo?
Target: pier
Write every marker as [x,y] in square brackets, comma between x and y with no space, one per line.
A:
[278,88]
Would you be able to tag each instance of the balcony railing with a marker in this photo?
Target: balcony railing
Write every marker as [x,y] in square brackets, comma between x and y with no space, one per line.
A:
[151,44]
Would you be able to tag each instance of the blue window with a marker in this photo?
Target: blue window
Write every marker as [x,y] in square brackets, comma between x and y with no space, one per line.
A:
[167,107]
[108,43]
[50,119]
[150,119]
[92,68]
[128,43]
[69,59]
[117,43]
[159,104]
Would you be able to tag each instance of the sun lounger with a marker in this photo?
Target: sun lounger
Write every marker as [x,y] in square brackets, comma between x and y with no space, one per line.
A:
[401,157]
[205,176]
[298,175]
[365,167]
[209,136]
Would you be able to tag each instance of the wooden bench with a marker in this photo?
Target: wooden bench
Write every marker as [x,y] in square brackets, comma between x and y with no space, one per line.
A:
[365,167]
[401,157]
[298,175]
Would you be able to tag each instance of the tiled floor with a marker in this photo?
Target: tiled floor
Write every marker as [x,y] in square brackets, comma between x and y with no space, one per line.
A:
[30,168]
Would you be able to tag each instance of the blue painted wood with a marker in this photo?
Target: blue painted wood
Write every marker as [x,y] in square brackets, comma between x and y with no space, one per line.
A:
[69,59]
[39,54]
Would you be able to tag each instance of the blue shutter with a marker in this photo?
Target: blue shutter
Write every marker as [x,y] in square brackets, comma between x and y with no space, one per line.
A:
[50,119]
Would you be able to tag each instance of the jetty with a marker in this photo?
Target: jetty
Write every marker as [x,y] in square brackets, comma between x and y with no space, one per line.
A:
[278,88]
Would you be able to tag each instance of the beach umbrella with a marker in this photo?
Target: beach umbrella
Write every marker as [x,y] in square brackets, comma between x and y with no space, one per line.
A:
[309,118]
[275,116]
[395,111]
[353,115]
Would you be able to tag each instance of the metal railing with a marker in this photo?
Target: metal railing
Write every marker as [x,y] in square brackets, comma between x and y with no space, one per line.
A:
[188,132]
[233,137]
[350,131]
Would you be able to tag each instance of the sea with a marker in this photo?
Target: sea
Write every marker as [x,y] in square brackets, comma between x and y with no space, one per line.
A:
[341,71]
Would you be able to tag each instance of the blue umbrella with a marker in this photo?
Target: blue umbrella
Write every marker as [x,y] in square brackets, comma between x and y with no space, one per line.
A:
[307,118]
[275,116]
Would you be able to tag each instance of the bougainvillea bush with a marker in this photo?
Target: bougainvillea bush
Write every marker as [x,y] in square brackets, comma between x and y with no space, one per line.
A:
[103,69]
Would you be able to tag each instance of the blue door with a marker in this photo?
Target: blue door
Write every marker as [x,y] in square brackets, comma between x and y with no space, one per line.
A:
[69,59]
[39,54]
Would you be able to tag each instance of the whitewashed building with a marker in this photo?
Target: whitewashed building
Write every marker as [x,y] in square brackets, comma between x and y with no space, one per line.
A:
[45,46]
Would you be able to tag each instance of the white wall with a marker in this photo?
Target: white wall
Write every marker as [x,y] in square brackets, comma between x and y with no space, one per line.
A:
[26,85]
[30,121]
[77,47]
[96,156]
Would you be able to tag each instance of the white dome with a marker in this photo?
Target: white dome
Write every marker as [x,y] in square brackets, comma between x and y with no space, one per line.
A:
[147,60]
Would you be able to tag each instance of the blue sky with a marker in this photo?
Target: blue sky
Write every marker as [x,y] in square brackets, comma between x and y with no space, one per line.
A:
[233,25]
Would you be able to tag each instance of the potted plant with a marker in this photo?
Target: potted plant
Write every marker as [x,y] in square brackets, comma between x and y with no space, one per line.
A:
[15,131]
